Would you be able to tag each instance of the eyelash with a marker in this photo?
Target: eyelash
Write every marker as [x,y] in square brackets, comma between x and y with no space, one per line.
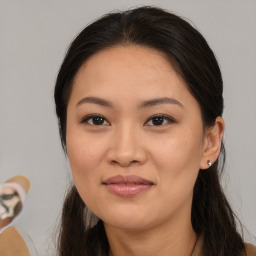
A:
[165,118]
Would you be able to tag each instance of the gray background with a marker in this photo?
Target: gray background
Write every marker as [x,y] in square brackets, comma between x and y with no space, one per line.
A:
[34,36]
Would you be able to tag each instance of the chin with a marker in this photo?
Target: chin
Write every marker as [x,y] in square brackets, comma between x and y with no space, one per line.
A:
[128,222]
[126,226]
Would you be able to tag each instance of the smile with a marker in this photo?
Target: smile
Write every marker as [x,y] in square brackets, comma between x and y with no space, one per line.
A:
[127,185]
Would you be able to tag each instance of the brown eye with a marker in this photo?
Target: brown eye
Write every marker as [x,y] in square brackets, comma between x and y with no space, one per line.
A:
[159,120]
[95,120]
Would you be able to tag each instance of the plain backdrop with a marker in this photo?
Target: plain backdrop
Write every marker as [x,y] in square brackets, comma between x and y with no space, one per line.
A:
[34,36]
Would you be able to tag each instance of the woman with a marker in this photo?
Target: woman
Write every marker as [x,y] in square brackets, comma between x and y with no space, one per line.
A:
[139,103]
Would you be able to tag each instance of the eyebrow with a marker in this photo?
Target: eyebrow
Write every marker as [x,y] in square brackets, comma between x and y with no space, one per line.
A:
[95,100]
[144,104]
[158,101]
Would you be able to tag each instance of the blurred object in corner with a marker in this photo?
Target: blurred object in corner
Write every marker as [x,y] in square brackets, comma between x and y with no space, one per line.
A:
[12,197]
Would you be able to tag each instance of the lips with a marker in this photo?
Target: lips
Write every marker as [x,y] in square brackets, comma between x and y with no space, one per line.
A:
[130,185]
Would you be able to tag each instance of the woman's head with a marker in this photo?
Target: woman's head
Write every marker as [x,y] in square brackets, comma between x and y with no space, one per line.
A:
[127,59]
[130,113]
[140,93]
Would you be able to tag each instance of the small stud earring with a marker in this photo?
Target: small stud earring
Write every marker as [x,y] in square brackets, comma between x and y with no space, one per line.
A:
[209,163]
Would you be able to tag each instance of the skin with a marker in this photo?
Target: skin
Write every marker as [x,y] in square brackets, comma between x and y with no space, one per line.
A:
[156,221]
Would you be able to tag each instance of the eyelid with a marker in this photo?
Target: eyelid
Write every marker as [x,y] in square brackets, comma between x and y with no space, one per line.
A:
[166,117]
[90,116]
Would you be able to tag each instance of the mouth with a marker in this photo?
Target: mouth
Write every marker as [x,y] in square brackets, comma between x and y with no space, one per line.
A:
[127,186]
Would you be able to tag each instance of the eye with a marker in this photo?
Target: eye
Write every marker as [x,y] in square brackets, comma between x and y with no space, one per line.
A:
[159,120]
[95,120]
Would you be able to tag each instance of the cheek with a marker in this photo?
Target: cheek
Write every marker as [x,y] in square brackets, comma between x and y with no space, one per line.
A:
[178,160]
[183,148]
[83,155]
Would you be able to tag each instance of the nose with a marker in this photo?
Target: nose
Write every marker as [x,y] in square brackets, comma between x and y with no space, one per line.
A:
[126,147]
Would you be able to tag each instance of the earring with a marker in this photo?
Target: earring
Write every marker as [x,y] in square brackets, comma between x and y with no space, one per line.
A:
[209,163]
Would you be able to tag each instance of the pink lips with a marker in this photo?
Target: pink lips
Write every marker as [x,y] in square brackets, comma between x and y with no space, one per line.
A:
[127,185]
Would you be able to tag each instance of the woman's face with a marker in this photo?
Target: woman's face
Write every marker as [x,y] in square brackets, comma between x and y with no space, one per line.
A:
[135,138]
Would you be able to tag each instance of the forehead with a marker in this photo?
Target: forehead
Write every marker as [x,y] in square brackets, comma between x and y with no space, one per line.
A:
[130,73]
[126,59]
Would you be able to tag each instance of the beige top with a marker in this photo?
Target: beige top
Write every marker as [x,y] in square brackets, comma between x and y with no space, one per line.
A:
[250,249]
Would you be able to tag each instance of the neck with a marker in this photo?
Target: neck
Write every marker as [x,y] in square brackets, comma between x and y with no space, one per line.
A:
[176,238]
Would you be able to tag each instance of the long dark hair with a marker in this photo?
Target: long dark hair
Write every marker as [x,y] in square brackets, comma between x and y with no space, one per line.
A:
[189,53]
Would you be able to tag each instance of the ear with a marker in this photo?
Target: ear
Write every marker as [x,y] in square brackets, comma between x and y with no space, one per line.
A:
[212,143]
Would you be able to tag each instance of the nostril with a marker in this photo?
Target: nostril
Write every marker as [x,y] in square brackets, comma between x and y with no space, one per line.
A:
[124,163]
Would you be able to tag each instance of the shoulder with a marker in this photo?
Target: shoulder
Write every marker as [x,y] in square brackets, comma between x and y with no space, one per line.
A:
[250,250]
